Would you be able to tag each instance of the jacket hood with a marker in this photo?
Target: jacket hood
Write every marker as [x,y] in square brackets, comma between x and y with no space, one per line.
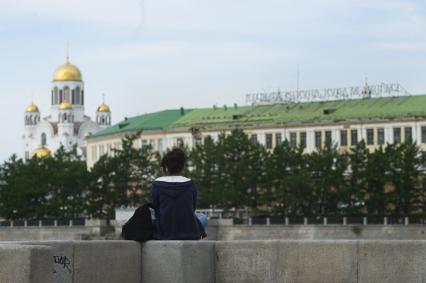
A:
[173,189]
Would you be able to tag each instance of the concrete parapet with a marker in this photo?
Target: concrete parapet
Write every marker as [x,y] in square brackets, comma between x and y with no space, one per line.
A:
[269,261]
[25,264]
[107,262]
[286,261]
[93,261]
[392,261]
[178,262]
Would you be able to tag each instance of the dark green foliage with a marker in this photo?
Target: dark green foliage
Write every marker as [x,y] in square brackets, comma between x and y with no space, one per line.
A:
[230,172]
[123,179]
[51,187]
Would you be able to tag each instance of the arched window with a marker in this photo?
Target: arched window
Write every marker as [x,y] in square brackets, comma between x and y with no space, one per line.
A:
[56,96]
[82,97]
[43,139]
[61,97]
[77,95]
[72,97]
[67,94]
[65,117]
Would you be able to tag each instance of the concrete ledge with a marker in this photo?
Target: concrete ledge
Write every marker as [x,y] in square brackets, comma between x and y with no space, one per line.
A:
[209,261]
[392,261]
[93,261]
[286,261]
[25,264]
[178,261]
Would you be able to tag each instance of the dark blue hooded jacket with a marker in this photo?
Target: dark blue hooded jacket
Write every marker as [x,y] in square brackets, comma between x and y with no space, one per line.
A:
[174,200]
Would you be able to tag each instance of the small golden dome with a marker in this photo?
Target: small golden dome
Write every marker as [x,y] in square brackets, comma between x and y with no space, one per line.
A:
[42,152]
[67,72]
[103,108]
[32,108]
[65,105]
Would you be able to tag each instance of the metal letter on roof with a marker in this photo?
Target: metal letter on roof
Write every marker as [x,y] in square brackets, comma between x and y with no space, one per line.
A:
[328,94]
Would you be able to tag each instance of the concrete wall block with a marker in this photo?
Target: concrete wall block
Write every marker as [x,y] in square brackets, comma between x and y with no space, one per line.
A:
[392,261]
[25,264]
[286,261]
[178,262]
[107,261]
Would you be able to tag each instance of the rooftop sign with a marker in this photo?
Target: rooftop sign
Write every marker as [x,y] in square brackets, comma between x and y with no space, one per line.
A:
[327,94]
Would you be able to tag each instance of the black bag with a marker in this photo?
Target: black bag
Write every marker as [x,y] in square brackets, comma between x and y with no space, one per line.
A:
[139,227]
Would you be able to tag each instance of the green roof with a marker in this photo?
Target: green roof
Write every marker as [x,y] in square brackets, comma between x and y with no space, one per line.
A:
[152,121]
[279,114]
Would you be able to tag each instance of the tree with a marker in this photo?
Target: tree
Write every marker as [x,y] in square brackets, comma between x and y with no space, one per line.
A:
[289,176]
[205,171]
[67,184]
[327,170]
[123,179]
[376,178]
[405,162]
[355,187]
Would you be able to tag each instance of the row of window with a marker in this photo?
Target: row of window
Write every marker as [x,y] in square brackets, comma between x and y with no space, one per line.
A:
[374,136]
[75,96]
[99,150]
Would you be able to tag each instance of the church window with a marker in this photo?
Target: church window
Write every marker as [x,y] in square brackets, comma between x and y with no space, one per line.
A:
[61,97]
[43,139]
[77,95]
[72,97]
[82,97]
[67,94]
[55,94]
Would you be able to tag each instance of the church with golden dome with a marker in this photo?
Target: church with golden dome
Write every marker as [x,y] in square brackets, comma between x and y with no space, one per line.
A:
[67,124]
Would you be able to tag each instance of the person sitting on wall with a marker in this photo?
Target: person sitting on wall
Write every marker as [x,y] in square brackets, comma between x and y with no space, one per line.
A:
[174,199]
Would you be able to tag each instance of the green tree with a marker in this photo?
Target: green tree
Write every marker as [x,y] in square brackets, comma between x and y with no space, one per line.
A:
[405,163]
[123,179]
[377,178]
[355,190]
[67,184]
[289,176]
[204,169]
[327,170]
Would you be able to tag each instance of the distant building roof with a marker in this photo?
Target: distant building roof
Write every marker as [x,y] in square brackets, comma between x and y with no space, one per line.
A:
[277,114]
[152,121]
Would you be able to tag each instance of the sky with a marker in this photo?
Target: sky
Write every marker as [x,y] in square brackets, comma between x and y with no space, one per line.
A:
[149,55]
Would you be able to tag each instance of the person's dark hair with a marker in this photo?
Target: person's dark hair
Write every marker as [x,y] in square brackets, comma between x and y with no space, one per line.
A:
[174,161]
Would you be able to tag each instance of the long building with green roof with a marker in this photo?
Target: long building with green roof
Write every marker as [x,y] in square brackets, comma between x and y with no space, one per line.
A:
[346,122]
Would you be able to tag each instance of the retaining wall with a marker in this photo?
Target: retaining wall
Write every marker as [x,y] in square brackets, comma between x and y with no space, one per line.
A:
[316,232]
[211,261]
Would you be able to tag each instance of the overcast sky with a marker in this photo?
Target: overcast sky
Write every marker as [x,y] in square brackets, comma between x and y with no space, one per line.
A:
[148,55]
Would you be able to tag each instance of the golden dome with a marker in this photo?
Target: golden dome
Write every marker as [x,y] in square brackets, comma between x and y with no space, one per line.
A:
[103,108]
[42,152]
[65,105]
[67,72]
[32,108]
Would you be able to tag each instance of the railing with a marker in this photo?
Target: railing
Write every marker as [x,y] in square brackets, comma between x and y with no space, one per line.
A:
[44,223]
[373,220]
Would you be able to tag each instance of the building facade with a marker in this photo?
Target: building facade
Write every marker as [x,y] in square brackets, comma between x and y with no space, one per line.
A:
[67,124]
[377,121]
